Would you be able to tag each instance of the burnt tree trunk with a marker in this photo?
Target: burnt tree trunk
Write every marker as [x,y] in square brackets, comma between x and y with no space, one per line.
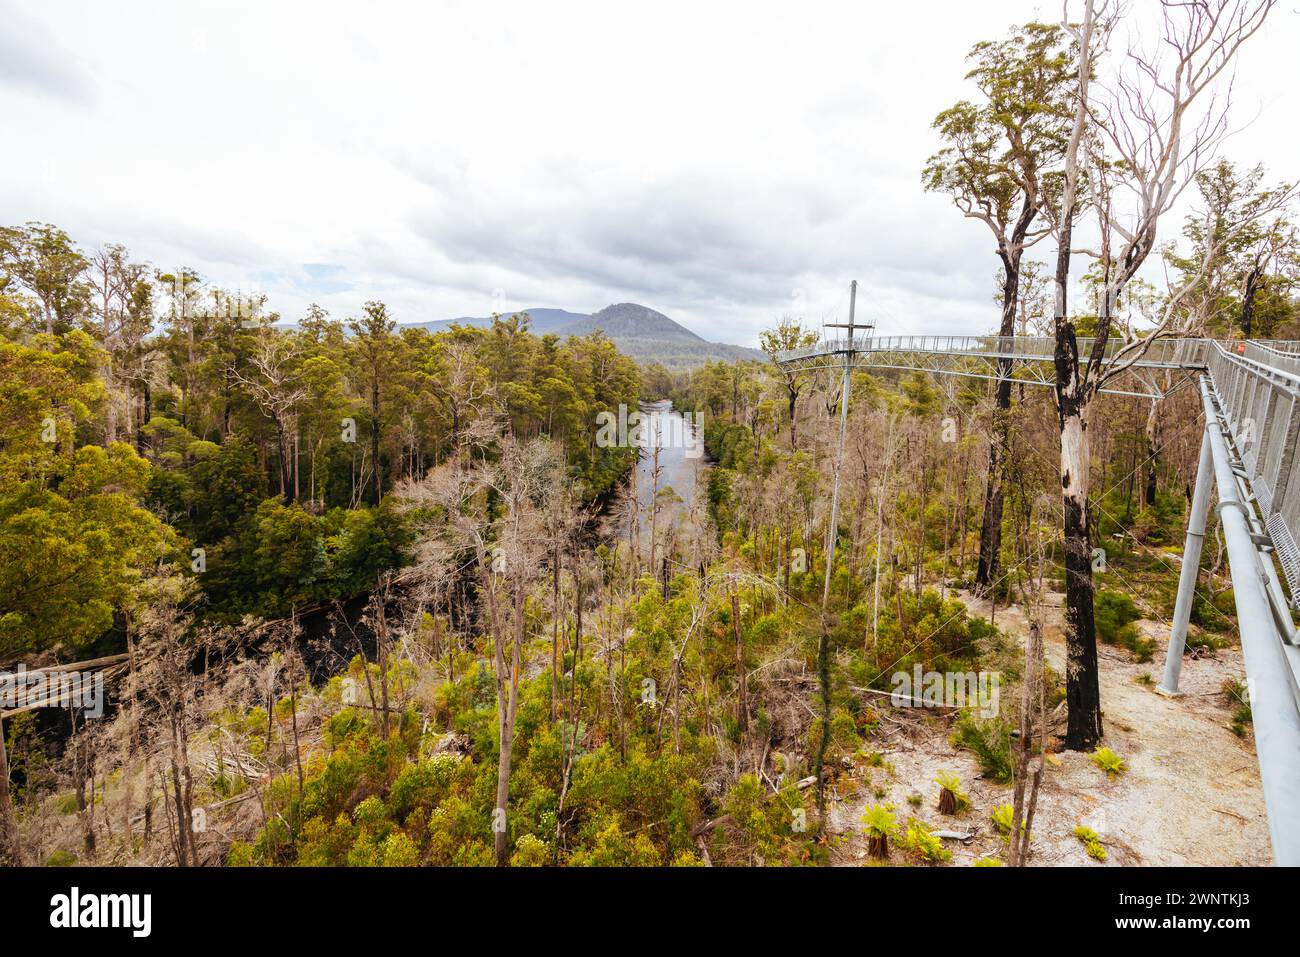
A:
[1248,300]
[1082,690]
[986,572]
[794,428]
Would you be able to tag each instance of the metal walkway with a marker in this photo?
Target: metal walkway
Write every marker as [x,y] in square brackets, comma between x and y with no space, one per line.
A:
[1250,393]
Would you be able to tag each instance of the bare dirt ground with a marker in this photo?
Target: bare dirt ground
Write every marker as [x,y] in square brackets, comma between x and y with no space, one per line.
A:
[1191,795]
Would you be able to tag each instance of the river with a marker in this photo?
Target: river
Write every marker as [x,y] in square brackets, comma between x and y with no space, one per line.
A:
[679,441]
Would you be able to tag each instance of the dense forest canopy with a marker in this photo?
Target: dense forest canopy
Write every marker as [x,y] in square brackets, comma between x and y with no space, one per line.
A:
[148,411]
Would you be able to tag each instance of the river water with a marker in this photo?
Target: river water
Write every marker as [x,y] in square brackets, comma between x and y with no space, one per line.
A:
[680,444]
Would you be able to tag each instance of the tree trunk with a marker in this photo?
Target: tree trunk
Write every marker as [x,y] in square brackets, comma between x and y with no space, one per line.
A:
[1082,690]
[381,639]
[794,429]
[374,437]
[742,705]
[1153,451]
[507,726]
[986,571]
[146,413]
[1248,301]
[8,822]
[1083,696]
[110,400]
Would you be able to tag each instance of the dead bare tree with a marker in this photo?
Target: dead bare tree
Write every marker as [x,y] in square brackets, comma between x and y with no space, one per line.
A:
[274,383]
[169,682]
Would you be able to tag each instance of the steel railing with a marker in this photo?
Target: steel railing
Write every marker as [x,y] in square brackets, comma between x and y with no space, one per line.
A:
[1259,392]
[1258,383]
[1165,352]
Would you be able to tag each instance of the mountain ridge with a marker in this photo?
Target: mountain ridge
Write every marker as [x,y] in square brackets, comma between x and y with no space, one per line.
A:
[645,334]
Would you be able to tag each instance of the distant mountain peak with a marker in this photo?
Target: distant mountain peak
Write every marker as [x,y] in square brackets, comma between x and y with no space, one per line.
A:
[632,320]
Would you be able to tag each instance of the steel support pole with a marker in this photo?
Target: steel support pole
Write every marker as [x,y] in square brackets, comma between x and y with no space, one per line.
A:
[1276,717]
[1191,569]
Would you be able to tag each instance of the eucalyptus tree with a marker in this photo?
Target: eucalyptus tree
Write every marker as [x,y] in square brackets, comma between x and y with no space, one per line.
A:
[789,334]
[1150,131]
[1255,250]
[273,377]
[42,261]
[1001,165]
[373,347]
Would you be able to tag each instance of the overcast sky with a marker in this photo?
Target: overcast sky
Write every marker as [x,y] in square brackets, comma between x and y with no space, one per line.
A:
[723,163]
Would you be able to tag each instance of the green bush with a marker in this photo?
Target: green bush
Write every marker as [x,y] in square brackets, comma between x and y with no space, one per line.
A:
[880,825]
[1112,611]
[1114,614]
[1003,817]
[990,741]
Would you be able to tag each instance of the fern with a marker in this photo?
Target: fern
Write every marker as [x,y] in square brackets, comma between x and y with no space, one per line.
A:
[881,825]
[1003,816]
[1109,761]
[1091,842]
[952,799]
[925,845]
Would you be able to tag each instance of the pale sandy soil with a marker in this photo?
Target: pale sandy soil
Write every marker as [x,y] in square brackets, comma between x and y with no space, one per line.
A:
[1191,795]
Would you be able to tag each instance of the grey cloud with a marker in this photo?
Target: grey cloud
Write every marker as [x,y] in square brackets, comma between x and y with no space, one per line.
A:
[32,58]
[702,240]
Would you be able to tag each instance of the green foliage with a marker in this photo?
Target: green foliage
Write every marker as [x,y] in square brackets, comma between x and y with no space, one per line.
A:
[1112,611]
[530,851]
[990,741]
[1211,615]
[1003,818]
[879,820]
[1239,698]
[924,845]
[844,739]
[1108,761]
[1091,842]
[952,799]
[70,545]
[1114,614]
[938,634]
[880,825]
